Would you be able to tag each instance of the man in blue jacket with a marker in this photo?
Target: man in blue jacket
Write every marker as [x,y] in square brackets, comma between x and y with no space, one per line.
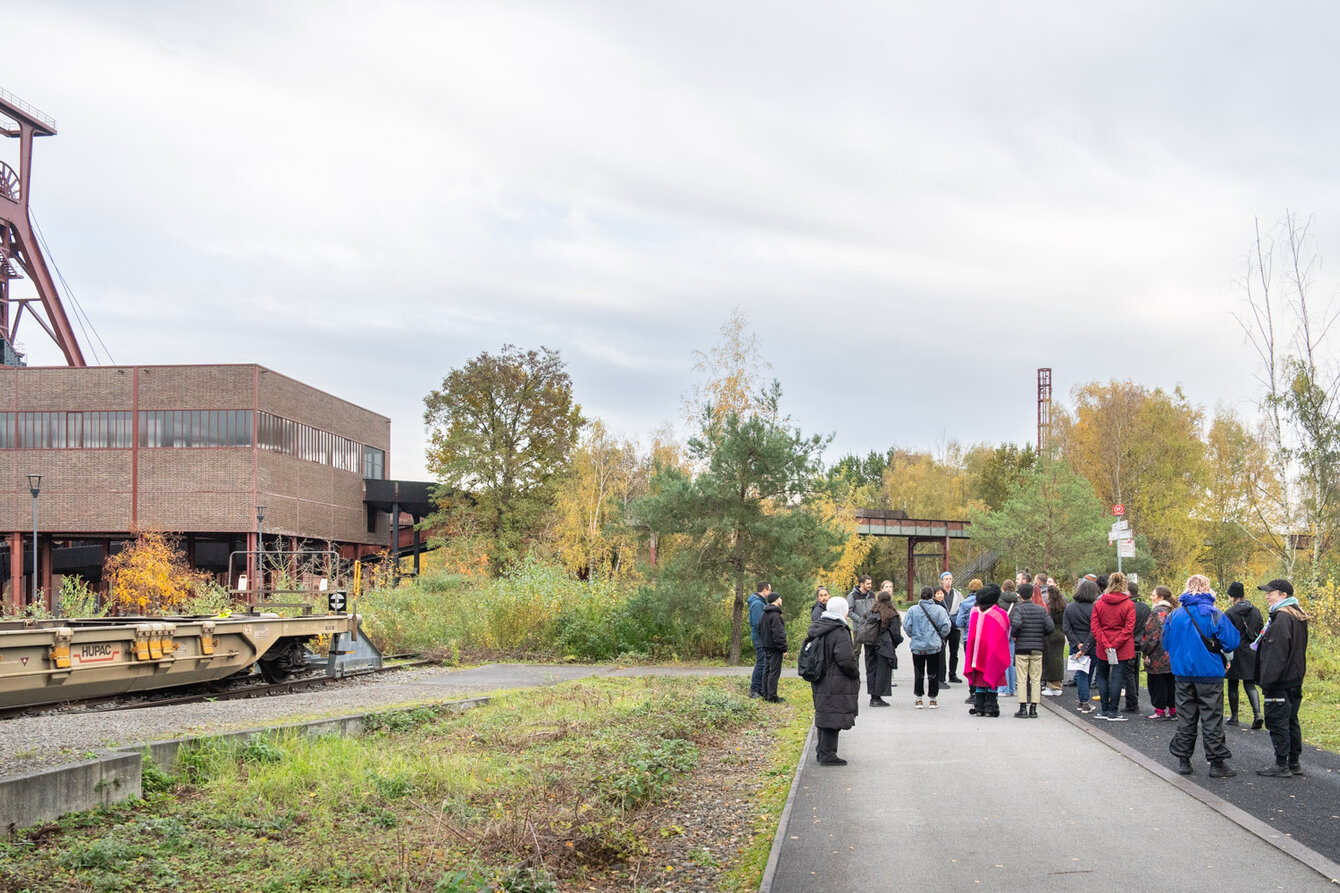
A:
[757,602]
[1197,637]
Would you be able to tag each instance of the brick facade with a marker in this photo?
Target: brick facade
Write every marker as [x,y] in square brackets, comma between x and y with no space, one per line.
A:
[101,492]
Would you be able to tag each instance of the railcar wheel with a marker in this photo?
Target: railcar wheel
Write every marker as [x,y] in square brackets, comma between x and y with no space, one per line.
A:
[284,661]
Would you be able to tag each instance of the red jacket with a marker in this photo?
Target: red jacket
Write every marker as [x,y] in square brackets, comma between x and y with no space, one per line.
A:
[1113,625]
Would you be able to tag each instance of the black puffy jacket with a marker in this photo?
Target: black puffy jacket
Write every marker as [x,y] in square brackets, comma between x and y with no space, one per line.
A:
[1030,625]
[772,629]
[837,695]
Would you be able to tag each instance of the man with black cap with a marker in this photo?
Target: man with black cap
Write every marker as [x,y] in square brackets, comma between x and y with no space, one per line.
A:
[1281,663]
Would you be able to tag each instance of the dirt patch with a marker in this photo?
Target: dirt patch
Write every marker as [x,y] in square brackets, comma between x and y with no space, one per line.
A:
[698,835]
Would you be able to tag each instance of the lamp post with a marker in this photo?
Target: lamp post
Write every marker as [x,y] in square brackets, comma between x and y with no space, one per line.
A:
[260,554]
[34,487]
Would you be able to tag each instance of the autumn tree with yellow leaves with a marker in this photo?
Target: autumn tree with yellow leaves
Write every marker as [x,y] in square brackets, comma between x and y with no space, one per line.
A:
[151,576]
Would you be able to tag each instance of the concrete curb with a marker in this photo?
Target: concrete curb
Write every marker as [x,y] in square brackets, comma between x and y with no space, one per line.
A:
[1249,823]
[778,839]
[115,776]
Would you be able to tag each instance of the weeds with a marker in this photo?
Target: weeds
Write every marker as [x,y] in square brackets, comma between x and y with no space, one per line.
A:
[512,796]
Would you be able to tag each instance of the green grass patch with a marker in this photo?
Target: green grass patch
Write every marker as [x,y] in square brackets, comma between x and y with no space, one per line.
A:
[538,786]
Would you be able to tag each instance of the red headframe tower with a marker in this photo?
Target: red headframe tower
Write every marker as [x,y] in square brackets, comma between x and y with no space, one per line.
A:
[19,252]
[1044,407]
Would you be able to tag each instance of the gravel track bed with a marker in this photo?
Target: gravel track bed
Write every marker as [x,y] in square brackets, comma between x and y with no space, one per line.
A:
[28,743]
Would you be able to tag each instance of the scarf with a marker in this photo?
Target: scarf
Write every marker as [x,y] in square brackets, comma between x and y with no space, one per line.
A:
[1283,603]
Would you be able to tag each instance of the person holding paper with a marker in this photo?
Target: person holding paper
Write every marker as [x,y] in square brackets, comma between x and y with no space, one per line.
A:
[1076,626]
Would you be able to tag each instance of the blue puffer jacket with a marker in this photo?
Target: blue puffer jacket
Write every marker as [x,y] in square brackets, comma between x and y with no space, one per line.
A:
[926,634]
[1191,661]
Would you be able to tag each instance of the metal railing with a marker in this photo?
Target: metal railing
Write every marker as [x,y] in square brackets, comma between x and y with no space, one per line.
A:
[34,113]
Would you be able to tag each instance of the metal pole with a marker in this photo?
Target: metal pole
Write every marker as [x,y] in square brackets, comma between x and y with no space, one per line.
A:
[260,554]
[35,548]
[34,486]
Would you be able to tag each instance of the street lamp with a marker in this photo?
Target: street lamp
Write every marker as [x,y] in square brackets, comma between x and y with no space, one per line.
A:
[260,554]
[34,487]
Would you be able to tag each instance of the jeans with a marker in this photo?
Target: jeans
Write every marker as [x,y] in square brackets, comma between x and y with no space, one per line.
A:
[760,667]
[1082,683]
[1008,687]
[1109,679]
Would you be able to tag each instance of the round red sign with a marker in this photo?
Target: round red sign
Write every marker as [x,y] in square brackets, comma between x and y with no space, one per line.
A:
[1118,510]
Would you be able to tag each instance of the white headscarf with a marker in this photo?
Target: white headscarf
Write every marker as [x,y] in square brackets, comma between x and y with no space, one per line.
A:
[836,609]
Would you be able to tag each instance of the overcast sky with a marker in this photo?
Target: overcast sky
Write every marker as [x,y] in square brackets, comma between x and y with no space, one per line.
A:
[915,205]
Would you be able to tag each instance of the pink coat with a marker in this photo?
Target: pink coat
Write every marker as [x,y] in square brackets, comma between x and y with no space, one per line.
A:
[986,654]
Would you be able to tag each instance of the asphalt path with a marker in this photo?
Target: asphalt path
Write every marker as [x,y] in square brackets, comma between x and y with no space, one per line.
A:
[1305,808]
[940,800]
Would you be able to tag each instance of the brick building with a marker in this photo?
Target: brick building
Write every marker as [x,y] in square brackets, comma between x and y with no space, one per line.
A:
[189,450]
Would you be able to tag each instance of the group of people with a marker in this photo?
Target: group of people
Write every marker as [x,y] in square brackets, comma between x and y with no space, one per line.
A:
[1021,637]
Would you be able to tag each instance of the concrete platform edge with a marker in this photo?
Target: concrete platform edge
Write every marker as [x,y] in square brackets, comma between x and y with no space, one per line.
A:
[778,839]
[114,776]
[1249,823]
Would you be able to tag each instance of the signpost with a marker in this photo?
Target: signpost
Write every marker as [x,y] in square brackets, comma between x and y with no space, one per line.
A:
[1121,535]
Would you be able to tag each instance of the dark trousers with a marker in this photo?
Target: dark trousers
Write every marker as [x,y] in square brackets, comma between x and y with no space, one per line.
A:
[1203,703]
[760,668]
[1162,689]
[1282,703]
[771,673]
[1253,697]
[926,666]
[1130,680]
[950,654]
[826,747]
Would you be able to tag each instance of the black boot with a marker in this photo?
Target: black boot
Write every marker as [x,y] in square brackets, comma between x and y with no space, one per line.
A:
[1220,769]
[992,704]
[1022,712]
[1184,766]
[978,704]
[1032,711]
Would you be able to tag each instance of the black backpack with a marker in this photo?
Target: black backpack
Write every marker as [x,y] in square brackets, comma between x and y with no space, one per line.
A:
[810,664]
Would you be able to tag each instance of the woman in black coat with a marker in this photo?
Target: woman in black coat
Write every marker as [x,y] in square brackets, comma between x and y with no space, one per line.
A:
[1246,617]
[1076,625]
[1053,658]
[837,695]
[883,657]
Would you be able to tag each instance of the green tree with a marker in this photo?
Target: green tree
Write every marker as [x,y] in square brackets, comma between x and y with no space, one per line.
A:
[996,473]
[1141,448]
[500,429]
[1237,466]
[744,514]
[1290,330]
[1052,520]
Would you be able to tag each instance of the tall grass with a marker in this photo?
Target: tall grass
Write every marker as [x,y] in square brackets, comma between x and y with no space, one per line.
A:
[539,609]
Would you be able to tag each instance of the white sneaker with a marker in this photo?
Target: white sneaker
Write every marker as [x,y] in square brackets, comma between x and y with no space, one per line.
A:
[932,704]
[918,704]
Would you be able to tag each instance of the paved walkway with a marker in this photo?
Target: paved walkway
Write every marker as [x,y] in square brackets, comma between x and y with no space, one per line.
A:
[940,800]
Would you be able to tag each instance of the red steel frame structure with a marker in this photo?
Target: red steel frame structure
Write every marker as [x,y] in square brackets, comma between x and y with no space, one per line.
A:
[17,243]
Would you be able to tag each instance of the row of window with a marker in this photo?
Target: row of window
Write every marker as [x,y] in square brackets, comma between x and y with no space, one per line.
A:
[292,438]
[189,428]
